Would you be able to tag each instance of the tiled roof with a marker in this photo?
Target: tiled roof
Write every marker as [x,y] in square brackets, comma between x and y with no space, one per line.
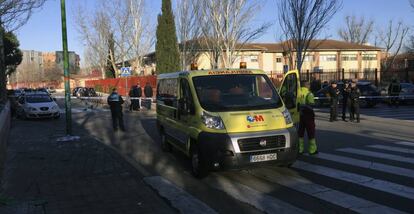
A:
[314,45]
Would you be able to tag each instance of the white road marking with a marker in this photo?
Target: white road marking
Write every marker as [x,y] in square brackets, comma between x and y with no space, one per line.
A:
[377,184]
[367,164]
[303,185]
[377,155]
[392,148]
[250,196]
[83,110]
[179,198]
[405,143]
[389,113]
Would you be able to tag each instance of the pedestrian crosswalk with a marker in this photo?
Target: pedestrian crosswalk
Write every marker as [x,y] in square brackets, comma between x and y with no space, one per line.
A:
[402,113]
[362,169]
[382,111]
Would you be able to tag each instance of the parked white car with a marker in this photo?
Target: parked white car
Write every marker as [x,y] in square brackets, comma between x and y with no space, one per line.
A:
[37,105]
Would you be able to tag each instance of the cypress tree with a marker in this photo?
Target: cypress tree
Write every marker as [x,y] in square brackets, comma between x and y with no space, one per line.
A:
[166,49]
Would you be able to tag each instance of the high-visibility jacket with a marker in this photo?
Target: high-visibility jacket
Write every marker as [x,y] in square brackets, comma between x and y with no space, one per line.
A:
[306,97]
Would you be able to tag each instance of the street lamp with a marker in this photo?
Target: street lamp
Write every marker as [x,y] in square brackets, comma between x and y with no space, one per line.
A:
[66,75]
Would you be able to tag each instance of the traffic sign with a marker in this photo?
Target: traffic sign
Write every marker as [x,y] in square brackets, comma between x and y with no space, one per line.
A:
[125,71]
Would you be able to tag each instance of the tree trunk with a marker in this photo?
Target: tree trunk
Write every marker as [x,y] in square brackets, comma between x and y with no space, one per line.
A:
[3,91]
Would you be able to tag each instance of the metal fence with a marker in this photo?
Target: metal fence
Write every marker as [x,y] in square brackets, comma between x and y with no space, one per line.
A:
[372,75]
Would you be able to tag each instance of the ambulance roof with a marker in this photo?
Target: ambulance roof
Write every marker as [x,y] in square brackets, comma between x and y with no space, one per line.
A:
[210,72]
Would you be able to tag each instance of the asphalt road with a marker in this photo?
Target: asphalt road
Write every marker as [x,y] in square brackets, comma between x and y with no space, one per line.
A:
[362,168]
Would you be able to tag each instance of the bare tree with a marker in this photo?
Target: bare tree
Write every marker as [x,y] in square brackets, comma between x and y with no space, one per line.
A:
[409,46]
[123,25]
[94,31]
[356,30]
[13,14]
[27,73]
[392,38]
[52,73]
[188,30]
[226,27]
[301,22]
[142,36]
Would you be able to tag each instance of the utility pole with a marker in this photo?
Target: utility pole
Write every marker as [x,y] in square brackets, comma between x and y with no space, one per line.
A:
[66,70]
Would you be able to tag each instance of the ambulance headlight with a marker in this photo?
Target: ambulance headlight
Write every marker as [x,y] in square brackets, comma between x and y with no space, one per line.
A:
[212,122]
[288,118]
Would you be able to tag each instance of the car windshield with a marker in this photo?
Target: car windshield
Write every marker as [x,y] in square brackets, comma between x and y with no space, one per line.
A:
[236,92]
[38,99]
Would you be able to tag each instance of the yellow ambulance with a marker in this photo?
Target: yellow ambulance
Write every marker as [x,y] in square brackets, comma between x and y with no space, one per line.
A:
[232,118]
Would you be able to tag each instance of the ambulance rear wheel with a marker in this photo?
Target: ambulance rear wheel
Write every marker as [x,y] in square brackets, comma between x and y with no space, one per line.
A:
[198,165]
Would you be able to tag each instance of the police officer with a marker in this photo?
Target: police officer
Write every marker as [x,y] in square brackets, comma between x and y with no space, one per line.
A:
[333,93]
[135,94]
[345,94]
[115,102]
[354,102]
[394,90]
[307,120]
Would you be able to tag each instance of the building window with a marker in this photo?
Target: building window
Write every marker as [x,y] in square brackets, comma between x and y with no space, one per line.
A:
[369,57]
[327,58]
[308,58]
[254,58]
[349,57]
[278,59]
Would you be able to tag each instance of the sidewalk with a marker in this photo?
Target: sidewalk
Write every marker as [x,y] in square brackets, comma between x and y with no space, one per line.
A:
[45,176]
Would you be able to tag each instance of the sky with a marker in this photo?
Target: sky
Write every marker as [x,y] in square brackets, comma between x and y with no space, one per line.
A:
[43,31]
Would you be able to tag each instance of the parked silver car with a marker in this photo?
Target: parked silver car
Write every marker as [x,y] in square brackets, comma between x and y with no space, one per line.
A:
[37,105]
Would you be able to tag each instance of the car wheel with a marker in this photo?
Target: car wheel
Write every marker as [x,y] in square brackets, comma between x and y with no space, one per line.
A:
[165,146]
[56,117]
[198,165]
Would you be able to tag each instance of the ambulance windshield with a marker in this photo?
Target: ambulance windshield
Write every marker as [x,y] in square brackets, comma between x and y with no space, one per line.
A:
[236,92]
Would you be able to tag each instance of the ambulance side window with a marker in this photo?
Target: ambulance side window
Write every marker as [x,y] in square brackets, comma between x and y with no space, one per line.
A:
[167,92]
[289,91]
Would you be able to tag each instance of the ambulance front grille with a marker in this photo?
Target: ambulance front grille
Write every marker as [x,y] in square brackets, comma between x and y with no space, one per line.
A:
[262,143]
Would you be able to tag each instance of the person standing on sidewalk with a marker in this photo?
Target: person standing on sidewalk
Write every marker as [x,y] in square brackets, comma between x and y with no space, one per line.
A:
[333,93]
[148,95]
[307,121]
[148,90]
[345,95]
[394,91]
[354,102]
[115,102]
[135,95]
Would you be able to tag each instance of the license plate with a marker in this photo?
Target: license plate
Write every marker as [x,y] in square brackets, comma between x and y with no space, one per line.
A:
[265,157]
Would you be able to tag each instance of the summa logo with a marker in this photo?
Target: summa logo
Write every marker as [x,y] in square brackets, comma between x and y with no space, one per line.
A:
[255,118]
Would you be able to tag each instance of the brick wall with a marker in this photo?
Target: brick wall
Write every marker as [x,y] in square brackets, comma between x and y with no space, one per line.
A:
[122,84]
